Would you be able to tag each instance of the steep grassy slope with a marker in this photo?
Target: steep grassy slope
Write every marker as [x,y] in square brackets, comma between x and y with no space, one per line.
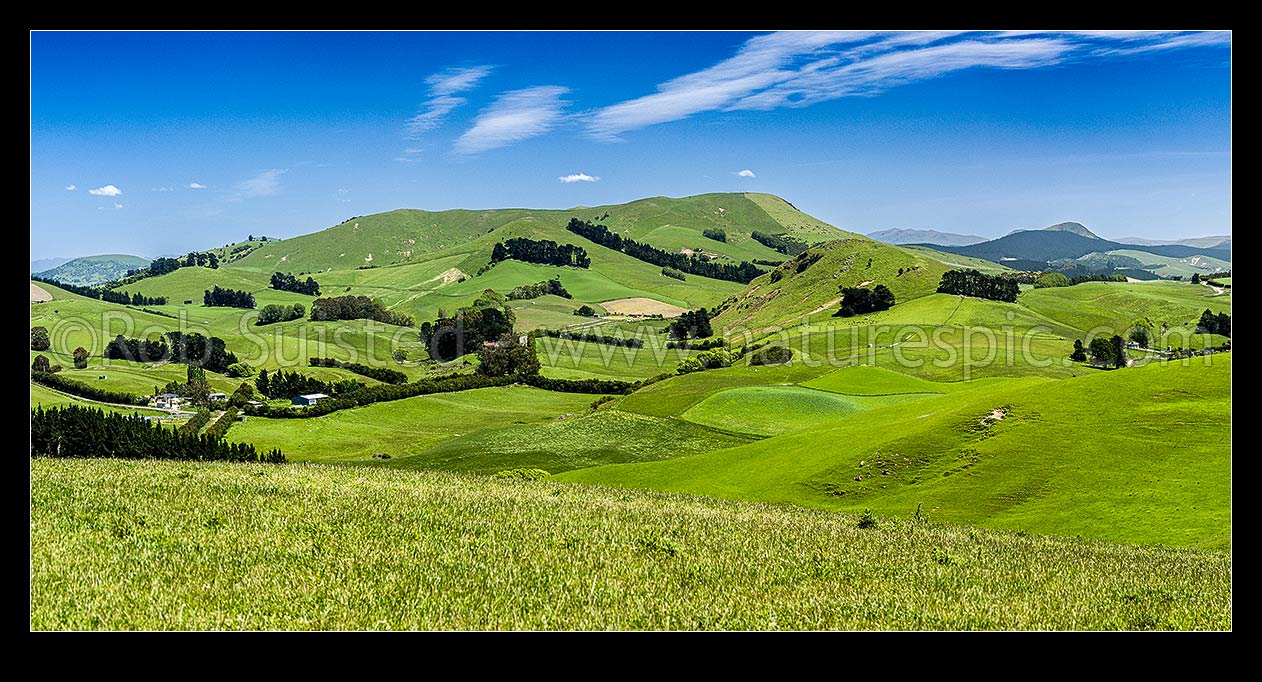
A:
[815,292]
[956,261]
[1137,455]
[191,546]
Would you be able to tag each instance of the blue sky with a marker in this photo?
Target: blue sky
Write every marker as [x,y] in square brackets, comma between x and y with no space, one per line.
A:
[152,143]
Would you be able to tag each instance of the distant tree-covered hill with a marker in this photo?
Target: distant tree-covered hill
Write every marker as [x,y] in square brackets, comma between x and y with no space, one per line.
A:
[94,269]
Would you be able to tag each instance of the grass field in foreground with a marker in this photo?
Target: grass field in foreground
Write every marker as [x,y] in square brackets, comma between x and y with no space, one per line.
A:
[174,546]
[1137,455]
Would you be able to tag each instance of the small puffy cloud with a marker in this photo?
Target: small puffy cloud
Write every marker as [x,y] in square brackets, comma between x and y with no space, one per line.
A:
[578,177]
[746,173]
[71,188]
[106,191]
[196,185]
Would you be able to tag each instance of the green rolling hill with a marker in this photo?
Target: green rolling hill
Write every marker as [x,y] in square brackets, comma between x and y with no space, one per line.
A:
[1133,456]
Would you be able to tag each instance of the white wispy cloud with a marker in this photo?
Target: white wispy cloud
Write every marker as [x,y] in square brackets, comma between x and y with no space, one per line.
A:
[443,86]
[409,155]
[265,183]
[578,177]
[514,116]
[117,205]
[746,173]
[795,68]
[71,188]
[106,191]
[196,185]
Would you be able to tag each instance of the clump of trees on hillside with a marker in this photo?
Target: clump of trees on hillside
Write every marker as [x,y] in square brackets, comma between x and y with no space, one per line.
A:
[228,298]
[448,338]
[672,273]
[284,384]
[39,338]
[284,281]
[273,313]
[547,287]
[784,243]
[352,307]
[1049,280]
[693,324]
[718,234]
[506,356]
[1110,352]
[1215,324]
[710,359]
[978,285]
[543,251]
[1080,353]
[858,300]
[191,348]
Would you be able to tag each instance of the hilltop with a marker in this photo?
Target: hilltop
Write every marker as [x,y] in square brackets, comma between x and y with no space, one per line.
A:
[1075,228]
[407,236]
[911,236]
[94,269]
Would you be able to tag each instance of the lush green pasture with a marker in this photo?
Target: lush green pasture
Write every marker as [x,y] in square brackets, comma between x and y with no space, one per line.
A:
[1138,455]
[567,358]
[119,545]
[608,436]
[406,427]
[672,397]
[1114,306]
[773,410]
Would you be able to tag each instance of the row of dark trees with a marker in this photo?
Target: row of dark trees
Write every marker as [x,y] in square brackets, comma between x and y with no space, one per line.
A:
[191,348]
[689,263]
[357,308]
[284,384]
[103,294]
[273,313]
[784,243]
[548,286]
[385,374]
[588,337]
[284,281]
[544,251]
[978,285]
[1079,279]
[161,266]
[693,324]
[81,432]
[705,344]
[228,298]
[1215,324]
[718,234]
[448,338]
[860,300]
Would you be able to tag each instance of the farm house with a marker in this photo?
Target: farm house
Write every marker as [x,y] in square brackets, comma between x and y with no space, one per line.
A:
[308,399]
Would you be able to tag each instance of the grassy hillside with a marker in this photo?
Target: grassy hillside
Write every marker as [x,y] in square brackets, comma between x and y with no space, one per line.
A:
[1168,266]
[956,261]
[192,546]
[815,292]
[1137,455]
[95,269]
[409,235]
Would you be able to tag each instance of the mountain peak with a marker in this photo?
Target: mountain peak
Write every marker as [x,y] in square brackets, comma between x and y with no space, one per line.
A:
[1076,228]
